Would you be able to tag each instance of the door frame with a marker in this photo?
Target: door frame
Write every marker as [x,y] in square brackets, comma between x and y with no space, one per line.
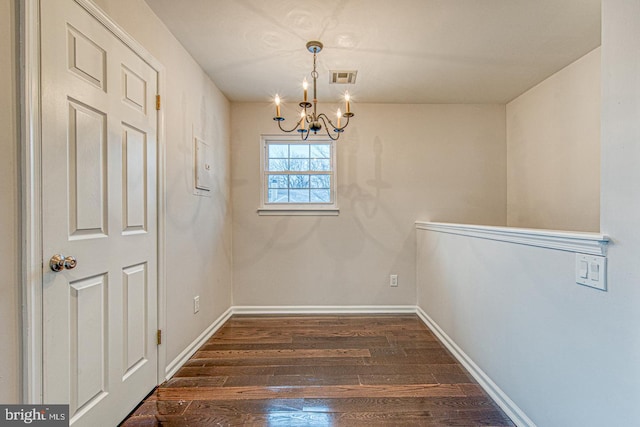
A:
[31,187]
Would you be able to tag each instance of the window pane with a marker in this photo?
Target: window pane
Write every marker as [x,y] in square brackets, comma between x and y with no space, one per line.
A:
[278,164]
[278,181]
[320,196]
[320,181]
[298,172]
[299,196]
[320,165]
[299,164]
[298,181]
[299,151]
[278,196]
[278,151]
[321,151]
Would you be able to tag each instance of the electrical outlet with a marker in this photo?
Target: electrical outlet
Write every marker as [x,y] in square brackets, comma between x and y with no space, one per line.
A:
[196,304]
[393,280]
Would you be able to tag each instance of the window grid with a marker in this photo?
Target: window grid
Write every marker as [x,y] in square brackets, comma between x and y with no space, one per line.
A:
[298,173]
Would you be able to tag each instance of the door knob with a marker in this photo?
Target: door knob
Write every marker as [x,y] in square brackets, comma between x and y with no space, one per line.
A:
[60,262]
[70,263]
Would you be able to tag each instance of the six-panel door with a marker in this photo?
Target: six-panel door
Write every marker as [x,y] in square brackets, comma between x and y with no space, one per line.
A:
[99,142]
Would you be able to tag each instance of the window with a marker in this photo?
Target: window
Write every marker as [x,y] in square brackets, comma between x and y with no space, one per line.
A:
[298,177]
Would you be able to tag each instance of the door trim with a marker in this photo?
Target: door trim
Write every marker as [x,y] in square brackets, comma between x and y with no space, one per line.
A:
[31,186]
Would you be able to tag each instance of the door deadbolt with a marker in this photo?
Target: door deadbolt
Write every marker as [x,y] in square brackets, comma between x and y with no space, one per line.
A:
[60,262]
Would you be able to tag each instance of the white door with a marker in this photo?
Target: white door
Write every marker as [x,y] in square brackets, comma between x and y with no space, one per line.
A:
[99,205]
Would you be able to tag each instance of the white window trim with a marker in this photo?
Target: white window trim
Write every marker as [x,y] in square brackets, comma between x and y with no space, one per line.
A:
[301,208]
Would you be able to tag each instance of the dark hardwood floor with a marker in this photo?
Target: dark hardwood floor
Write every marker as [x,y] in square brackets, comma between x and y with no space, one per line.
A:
[320,371]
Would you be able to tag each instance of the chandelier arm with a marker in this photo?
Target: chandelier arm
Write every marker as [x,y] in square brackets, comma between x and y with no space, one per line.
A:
[339,129]
[285,130]
[346,124]
[324,119]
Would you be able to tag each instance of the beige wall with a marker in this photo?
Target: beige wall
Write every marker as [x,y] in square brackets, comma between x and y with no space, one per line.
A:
[620,211]
[553,151]
[544,328]
[396,164]
[10,332]
[198,229]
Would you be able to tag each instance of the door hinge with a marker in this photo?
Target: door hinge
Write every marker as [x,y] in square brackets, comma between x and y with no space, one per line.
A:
[157,102]
[159,336]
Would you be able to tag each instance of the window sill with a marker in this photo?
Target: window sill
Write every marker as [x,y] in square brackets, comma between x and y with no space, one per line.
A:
[271,211]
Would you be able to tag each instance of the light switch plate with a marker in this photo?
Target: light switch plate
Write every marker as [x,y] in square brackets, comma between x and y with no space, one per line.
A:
[595,268]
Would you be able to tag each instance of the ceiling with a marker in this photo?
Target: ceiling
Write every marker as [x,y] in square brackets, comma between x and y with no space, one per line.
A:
[405,51]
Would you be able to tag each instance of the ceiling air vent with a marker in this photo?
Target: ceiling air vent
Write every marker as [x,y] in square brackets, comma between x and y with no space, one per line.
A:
[347,77]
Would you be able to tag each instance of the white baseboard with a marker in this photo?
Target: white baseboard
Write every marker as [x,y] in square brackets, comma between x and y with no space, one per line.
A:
[182,358]
[324,309]
[500,397]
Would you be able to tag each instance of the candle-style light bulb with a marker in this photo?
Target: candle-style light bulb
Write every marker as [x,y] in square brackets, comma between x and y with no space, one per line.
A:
[338,114]
[277,106]
[347,98]
[305,86]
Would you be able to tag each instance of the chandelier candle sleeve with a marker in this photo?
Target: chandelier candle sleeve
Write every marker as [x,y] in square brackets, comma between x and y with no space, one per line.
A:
[338,114]
[347,98]
[277,106]
[305,86]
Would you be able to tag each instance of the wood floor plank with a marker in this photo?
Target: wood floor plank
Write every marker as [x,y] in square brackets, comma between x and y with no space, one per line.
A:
[199,370]
[453,378]
[371,341]
[423,419]
[346,331]
[204,381]
[433,404]
[387,351]
[472,389]
[378,369]
[319,361]
[253,406]
[154,407]
[352,370]
[141,421]
[398,379]
[304,343]
[285,353]
[291,392]
[434,358]
[311,380]
[248,381]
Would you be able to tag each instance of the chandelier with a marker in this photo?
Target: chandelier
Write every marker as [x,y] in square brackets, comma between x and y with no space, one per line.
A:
[310,120]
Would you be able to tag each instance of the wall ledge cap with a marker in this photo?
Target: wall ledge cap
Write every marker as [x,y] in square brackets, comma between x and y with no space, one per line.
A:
[570,241]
